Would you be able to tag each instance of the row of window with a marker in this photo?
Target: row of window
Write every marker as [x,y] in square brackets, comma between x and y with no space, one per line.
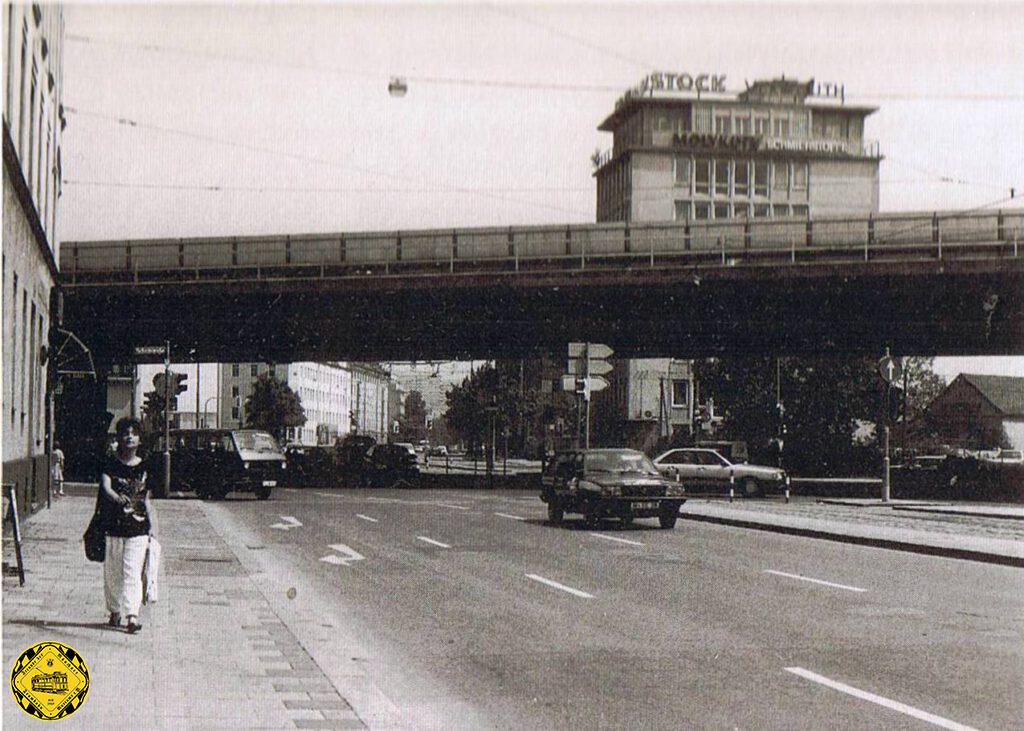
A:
[761,122]
[739,178]
[24,384]
[686,210]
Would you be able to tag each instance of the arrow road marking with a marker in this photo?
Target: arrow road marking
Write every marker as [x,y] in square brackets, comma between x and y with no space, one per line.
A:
[288,522]
[433,542]
[513,517]
[367,517]
[620,540]
[350,555]
[563,587]
[894,705]
[814,581]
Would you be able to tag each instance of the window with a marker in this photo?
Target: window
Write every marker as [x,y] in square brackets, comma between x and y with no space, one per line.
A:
[21,100]
[800,125]
[31,130]
[762,210]
[780,211]
[741,125]
[253,370]
[14,342]
[682,211]
[782,177]
[235,413]
[761,127]
[741,178]
[682,171]
[722,177]
[234,392]
[680,392]
[721,210]
[702,176]
[761,179]
[781,126]
[702,119]
[800,211]
[235,370]
[741,210]
[800,176]
[723,124]
[701,211]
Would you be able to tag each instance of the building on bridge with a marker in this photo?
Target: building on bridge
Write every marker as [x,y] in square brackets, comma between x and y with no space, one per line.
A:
[33,122]
[685,149]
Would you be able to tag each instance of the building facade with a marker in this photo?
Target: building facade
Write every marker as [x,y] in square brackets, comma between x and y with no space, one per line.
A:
[648,400]
[980,412]
[686,149]
[369,399]
[32,125]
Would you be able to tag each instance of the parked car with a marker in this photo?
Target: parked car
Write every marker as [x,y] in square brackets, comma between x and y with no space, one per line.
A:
[386,465]
[707,469]
[350,453]
[307,465]
[617,483]
[1000,457]
[214,462]
[439,451]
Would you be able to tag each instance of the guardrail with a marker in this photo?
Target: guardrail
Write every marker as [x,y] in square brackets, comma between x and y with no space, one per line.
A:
[932,235]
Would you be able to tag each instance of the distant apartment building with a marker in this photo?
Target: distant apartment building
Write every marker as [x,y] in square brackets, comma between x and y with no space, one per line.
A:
[369,398]
[686,149]
[32,124]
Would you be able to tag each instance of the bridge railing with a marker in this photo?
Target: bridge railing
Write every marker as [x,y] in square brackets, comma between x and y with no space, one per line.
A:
[723,243]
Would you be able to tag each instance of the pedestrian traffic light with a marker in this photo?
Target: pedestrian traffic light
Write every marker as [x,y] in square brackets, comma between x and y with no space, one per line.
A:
[178,383]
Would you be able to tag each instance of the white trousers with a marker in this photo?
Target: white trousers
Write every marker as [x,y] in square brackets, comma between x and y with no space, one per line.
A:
[122,574]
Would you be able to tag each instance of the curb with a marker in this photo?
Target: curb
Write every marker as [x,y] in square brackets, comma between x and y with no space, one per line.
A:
[945,552]
[972,514]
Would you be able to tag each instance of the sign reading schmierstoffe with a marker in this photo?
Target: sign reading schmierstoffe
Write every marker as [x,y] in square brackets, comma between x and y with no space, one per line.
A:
[662,81]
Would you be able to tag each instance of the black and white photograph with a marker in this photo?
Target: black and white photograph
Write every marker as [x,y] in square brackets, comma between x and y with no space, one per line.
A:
[513,365]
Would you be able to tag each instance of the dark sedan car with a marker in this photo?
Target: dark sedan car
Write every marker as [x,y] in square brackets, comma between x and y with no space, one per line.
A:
[616,483]
[388,465]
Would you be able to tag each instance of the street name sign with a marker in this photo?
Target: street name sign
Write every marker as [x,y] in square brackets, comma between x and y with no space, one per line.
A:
[890,370]
[149,350]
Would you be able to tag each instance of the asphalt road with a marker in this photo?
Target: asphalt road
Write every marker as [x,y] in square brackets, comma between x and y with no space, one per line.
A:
[471,611]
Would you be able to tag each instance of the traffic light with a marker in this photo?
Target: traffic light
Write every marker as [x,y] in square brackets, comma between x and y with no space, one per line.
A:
[896,401]
[178,383]
[580,385]
[160,384]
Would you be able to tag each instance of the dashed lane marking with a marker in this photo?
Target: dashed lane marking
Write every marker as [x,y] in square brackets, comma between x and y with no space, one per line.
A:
[449,505]
[619,540]
[367,517]
[814,581]
[894,705]
[432,542]
[562,587]
[513,517]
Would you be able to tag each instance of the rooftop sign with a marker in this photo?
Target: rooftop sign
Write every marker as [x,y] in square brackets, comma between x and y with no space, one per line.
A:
[735,143]
[662,81]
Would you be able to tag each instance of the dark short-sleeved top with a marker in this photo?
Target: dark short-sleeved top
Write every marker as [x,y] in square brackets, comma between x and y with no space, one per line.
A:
[133,519]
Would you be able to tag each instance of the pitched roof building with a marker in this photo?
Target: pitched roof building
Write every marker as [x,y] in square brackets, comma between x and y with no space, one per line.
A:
[978,411]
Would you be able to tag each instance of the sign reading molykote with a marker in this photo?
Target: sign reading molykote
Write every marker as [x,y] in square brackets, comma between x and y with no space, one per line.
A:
[735,143]
[662,81]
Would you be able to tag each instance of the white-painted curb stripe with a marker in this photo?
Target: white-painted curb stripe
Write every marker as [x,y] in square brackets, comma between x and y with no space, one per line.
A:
[814,581]
[563,587]
[513,517]
[447,505]
[894,705]
[433,542]
[620,540]
[367,517]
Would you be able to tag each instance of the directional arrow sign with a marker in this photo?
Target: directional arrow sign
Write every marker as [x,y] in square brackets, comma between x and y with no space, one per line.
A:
[597,367]
[348,557]
[596,350]
[287,523]
[890,370]
[596,383]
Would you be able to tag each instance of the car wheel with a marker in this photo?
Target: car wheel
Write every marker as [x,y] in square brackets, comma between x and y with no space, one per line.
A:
[627,520]
[555,513]
[750,487]
[262,493]
[591,518]
[668,517]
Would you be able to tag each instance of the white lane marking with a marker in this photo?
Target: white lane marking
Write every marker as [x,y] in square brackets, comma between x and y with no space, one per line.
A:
[894,705]
[513,517]
[349,556]
[433,542]
[448,505]
[814,581]
[328,494]
[563,587]
[367,517]
[288,522]
[620,540]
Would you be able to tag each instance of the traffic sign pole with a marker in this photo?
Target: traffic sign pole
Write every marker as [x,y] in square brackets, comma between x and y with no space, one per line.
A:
[586,394]
[167,419]
[889,371]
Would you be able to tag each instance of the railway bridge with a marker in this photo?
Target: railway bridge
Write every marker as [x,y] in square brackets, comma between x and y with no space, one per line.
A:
[938,282]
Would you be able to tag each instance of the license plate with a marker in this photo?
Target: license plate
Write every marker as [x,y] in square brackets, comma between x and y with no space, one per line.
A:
[270,483]
[644,506]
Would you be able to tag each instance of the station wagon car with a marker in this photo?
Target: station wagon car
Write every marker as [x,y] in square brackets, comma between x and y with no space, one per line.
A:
[706,468]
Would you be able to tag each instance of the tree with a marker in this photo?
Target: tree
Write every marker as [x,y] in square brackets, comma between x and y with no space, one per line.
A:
[412,425]
[273,406]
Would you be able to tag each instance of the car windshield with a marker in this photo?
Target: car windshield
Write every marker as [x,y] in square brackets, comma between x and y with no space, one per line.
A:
[619,462]
[256,441]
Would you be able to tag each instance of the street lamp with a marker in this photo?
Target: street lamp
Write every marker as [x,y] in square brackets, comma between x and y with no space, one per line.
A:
[397,86]
[207,403]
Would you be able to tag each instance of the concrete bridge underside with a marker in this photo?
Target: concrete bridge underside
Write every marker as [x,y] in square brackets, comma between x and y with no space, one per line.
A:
[942,307]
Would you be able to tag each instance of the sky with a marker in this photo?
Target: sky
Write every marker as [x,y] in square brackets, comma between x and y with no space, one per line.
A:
[194,120]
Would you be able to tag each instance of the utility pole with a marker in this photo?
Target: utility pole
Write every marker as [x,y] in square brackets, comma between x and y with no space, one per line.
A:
[586,395]
[167,419]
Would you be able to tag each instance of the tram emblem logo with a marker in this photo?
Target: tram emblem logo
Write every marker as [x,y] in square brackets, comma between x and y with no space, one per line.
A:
[50,681]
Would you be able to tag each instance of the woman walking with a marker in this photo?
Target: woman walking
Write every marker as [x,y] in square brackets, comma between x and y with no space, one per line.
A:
[128,520]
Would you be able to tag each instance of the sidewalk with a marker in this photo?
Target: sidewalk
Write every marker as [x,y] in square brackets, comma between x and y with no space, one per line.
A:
[212,653]
[972,532]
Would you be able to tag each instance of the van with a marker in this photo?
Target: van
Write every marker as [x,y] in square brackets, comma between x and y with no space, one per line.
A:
[214,462]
